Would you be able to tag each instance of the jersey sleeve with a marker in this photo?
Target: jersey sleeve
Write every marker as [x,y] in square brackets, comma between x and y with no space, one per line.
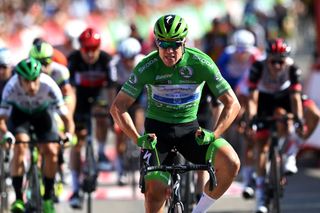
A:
[212,76]
[5,106]
[63,75]
[134,85]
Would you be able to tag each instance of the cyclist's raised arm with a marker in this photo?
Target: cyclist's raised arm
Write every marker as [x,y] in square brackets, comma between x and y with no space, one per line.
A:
[119,112]
[229,112]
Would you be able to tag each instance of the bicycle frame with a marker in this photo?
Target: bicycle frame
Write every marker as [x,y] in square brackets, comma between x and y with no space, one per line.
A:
[274,174]
[175,203]
[33,187]
[274,167]
[34,177]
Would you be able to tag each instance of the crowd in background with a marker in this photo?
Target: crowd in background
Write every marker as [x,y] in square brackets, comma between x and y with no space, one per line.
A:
[58,21]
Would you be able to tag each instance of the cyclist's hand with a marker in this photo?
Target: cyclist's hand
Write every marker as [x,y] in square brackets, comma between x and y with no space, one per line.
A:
[70,139]
[204,137]
[147,141]
[300,128]
[8,137]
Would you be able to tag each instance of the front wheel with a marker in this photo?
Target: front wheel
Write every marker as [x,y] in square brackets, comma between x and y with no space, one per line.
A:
[274,181]
[176,208]
[33,192]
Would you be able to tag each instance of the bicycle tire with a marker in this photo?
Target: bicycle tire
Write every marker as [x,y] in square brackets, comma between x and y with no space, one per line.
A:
[34,198]
[275,175]
[4,201]
[176,208]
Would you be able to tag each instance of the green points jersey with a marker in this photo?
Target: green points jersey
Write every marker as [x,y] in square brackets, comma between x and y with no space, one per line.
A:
[174,92]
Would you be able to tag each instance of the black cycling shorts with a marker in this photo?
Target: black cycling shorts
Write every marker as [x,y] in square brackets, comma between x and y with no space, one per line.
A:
[169,136]
[44,124]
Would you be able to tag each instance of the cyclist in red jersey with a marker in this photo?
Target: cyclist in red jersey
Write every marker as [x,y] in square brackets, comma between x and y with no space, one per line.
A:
[89,70]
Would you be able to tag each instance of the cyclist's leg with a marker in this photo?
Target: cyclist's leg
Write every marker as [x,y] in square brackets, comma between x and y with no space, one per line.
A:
[46,130]
[101,117]
[262,148]
[157,187]
[18,124]
[121,140]
[17,170]
[75,161]
[226,163]
[248,170]
[224,159]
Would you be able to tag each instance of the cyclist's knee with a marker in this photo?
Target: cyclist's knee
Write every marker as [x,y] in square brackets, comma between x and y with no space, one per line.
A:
[224,157]
[156,190]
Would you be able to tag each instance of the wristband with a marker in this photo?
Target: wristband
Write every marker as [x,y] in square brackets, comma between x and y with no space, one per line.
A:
[205,138]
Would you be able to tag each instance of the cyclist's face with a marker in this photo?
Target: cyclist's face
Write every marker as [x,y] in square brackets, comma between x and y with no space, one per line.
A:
[90,54]
[276,63]
[129,63]
[5,72]
[30,87]
[170,52]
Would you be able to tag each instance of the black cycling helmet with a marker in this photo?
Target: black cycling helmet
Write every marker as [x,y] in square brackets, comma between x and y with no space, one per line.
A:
[278,47]
[29,69]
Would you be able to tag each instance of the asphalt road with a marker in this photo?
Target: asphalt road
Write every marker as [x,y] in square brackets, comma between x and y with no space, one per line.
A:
[302,194]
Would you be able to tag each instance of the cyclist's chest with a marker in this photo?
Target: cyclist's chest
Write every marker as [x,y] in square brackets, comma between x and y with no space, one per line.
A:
[175,76]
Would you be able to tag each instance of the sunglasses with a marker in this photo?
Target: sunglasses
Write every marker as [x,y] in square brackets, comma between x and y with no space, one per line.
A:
[45,61]
[169,44]
[274,62]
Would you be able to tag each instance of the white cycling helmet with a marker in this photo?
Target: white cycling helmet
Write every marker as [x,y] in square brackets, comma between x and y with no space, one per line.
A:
[5,56]
[72,31]
[243,39]
[129,47]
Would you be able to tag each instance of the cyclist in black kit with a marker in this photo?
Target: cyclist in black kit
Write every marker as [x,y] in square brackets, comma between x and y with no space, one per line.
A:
[273,83]
[89,68]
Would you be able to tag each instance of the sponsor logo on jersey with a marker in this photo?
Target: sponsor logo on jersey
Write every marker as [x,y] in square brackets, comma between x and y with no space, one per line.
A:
[204,61]
[133,79]
[186,72]
[146,65]
[165,76]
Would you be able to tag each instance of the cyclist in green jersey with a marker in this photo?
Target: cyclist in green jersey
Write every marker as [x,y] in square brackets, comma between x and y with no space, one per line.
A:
[174,76]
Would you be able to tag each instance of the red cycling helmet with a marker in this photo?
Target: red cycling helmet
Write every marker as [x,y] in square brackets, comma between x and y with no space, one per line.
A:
[90,39]
[278,47]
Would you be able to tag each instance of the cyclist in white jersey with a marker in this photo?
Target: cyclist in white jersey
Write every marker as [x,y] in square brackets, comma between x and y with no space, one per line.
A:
[30,98]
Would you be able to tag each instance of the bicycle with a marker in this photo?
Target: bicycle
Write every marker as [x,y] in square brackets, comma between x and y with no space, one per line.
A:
[275,176]
[90,172]
[33,186]
[4,175]
[175,203]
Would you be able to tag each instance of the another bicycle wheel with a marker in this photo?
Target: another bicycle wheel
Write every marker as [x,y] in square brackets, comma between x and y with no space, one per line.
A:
[274,181]
[33,191]
[4,205]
